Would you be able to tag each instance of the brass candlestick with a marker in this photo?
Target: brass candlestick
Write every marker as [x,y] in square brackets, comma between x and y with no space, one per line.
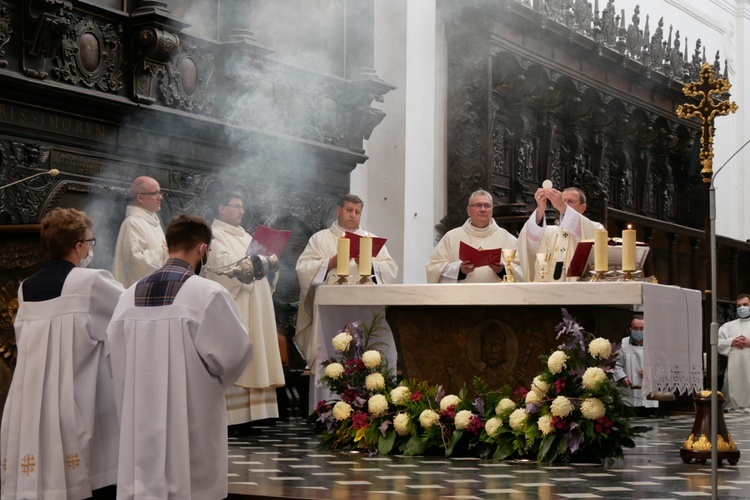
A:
[343,280]
[509,256]
[366,279]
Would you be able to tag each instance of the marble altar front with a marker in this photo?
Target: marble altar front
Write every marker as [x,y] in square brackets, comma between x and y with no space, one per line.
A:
[446,333]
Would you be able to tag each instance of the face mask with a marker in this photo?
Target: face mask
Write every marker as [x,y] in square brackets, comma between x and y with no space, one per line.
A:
[743,311]
[87,260]
[636,335]
[202,263]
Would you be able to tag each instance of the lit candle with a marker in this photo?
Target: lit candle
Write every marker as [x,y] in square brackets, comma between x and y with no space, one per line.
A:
[628,249]
[365,256]
[601,264]
[342,260]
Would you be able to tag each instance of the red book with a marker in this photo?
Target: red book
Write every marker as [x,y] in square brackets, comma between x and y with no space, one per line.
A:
[580,258]
[377,244]
[479,257]
[267,241]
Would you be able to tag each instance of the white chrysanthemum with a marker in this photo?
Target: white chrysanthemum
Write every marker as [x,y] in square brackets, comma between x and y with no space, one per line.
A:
[505,406]
[377,405]
[540,386]
[401,424]
[545,424]
[428,418]
[341,341]
[593,408]
[448,401]
[517,419]
[375,382]
[334,370]
[462,420]
[372,359]
[600,348]
[533,397]
[341,410]
[593,376]
[556,362]
[493,426]
[400,395]
[561,406]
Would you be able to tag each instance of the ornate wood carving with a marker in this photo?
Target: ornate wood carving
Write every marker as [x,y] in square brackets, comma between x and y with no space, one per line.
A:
[6,29]
[153,48]
[188,75]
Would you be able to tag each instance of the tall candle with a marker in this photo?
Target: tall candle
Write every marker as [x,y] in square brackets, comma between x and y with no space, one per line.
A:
[365,256]
[601,263]
[342,260]
[628,249]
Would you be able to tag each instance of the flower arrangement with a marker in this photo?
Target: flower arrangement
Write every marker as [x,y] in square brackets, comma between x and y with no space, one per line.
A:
[572,410]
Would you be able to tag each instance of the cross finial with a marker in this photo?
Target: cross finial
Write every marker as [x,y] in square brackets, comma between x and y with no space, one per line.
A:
[708,90]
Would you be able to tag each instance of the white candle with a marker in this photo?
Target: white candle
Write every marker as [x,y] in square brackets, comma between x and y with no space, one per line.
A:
[628,249]
[342,259]
[601,263]
[365,256]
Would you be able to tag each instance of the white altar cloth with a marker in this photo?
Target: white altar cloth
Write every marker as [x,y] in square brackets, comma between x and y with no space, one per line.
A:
[672,317]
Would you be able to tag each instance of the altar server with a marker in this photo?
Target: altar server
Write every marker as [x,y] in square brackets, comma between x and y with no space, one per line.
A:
[734,343]
[320,257]
[479,231]
[176,343]
[141,248]
[253,395]
[558,242]
[59,429]
[628,371]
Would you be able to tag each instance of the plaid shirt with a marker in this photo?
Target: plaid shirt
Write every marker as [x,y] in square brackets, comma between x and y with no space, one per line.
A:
[160,288]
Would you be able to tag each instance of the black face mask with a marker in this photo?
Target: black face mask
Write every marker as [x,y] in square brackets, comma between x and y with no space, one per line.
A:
[200,265]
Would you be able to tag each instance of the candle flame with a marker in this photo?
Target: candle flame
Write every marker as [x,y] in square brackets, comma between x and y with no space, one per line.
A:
[630,226]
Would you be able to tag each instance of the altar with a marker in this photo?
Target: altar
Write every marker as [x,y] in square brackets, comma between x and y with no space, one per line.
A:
[449,333]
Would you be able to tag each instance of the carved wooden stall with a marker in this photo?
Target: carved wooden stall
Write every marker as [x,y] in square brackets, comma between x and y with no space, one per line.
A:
[105,91]
[563,91]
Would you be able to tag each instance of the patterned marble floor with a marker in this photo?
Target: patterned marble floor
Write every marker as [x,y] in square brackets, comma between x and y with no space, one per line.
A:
[283,462]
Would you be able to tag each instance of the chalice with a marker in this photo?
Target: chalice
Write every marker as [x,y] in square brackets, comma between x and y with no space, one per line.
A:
[509,255]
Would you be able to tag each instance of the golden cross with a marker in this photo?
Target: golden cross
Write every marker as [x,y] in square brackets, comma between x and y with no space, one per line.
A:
[72,460]
[708,90]
[28,464]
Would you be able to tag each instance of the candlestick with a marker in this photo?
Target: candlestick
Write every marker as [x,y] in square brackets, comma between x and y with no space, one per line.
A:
[601,262]
[365,256]
[628,249]
[342,259]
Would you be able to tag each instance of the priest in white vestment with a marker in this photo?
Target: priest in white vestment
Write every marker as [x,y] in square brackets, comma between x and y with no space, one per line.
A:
[253,395]
[318,259]
[558,243]
[628,373]
[141,247]
[734,343]
[59,432]
[176,343]
[481,232]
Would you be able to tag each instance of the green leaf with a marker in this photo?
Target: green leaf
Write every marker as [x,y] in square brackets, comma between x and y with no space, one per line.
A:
[503,451]
[415,446]
[455,438]
[545,446]
[385,443]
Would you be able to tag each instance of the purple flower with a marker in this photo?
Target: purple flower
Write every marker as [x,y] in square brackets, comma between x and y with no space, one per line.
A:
[384,427]
[479,405]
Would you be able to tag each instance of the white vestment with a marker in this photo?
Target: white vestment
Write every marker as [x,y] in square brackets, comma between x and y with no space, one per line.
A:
[312,270]
[141,246]
[171,365]
[737,377]
[558,242]
[253,395]
[443,265]
[59,430]
[629,362]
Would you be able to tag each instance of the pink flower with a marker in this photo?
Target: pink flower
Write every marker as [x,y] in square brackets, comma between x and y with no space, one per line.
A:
[416,396]
[359,420]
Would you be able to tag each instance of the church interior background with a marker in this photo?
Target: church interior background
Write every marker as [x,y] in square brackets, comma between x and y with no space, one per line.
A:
[412,105]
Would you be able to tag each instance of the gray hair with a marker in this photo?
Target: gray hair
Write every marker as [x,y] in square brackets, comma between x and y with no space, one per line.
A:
[581,196]
[480,192]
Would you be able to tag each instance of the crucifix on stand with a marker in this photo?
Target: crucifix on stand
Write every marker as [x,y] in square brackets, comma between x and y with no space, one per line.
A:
[712,94]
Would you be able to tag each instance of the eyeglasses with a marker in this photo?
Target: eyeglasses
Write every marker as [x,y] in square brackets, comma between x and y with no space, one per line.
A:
[152,193]
[90,241]
[486,206]
[238,207]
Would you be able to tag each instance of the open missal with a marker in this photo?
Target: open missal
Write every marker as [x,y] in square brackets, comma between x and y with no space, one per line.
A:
[584,256]
[479,257]
[377,244]
[267,241]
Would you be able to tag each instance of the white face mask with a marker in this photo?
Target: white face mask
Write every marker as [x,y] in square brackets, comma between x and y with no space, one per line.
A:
[743,312]
[87,260]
